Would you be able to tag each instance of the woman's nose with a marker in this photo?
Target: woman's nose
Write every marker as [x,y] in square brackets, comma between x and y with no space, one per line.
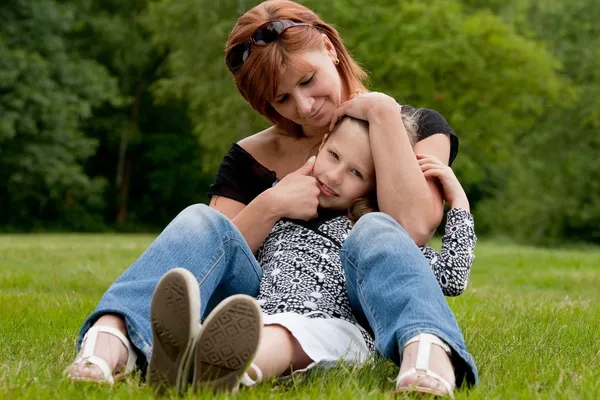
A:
[304,105]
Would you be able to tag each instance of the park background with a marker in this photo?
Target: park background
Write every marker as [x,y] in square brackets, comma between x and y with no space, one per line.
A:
[114,115]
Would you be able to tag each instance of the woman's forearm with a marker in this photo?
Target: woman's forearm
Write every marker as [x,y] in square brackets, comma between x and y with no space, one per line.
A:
[402,190]
[256,220]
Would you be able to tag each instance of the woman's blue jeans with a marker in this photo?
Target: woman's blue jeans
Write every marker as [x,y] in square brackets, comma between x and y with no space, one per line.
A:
[201,240]
[393,290]
[389,281]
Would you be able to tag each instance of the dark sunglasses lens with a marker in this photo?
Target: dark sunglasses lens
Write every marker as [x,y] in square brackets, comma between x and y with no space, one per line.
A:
[268,34]
[237,56]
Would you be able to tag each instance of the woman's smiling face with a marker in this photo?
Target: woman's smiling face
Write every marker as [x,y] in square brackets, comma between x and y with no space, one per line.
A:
[344,167]
[309,98]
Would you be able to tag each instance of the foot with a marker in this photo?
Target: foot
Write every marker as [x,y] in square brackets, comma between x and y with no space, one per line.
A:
[428,372]
[108,357]
[175,320]
[227,344]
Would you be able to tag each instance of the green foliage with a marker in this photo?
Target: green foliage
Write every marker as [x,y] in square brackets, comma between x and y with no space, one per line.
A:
[46,91]
[117,112]
[552,189]
[195,32]
[490,82]
[76,121]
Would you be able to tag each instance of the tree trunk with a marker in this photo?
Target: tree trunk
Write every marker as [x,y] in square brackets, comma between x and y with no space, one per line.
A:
[124,164]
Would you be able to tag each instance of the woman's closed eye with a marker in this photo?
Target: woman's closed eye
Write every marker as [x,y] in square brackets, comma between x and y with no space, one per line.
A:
[307,81]
[334,155]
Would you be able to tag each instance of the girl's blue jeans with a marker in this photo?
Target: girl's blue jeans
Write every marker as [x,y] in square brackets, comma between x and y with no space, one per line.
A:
[390,283]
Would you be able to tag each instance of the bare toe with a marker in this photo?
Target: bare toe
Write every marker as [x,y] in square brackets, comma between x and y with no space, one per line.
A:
[100,363]
[84,371]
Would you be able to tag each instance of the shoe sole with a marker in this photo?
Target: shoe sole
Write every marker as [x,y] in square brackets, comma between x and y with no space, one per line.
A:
[175,320]
[227,343]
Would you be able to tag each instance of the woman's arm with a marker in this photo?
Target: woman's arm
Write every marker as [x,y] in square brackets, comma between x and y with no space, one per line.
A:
[295,196]
[254,221]
[402,190]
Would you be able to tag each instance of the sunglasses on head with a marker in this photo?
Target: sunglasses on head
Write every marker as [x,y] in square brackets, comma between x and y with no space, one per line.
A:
[266,33]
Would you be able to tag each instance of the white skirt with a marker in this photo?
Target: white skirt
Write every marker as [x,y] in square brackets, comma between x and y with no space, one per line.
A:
[327,341]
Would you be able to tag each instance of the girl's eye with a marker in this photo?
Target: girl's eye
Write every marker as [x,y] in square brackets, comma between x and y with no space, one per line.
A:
[355,172]
[309,80]
[282,99]
[334,155]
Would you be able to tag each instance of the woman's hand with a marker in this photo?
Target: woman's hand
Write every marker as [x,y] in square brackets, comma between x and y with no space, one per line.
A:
[452,190]
[365,106]
[297,195]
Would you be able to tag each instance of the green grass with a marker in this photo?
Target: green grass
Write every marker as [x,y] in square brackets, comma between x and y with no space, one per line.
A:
[531,319]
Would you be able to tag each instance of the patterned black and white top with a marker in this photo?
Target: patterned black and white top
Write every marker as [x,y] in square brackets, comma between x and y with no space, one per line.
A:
[303,273]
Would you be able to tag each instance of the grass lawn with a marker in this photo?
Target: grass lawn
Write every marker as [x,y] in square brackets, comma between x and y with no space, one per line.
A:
[531,319]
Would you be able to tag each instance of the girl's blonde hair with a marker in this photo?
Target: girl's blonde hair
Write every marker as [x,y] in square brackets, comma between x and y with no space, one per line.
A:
[368,203]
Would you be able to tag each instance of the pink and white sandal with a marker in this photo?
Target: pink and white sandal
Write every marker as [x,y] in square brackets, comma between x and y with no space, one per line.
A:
[88,357]
[421,369]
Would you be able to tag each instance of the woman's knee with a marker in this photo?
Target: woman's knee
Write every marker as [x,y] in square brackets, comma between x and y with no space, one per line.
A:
[201,216]
[374,227]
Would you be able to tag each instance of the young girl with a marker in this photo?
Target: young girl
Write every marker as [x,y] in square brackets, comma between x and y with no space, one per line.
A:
[306,315]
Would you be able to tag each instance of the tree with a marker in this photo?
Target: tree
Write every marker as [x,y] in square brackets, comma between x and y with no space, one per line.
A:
[46,91]
[146,149]
[553,193]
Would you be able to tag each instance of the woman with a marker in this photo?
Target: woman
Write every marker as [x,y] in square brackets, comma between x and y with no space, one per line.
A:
[299,75]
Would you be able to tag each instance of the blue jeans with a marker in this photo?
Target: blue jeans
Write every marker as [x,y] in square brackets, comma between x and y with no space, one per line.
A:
[393,290]
[389,281]
[199,239]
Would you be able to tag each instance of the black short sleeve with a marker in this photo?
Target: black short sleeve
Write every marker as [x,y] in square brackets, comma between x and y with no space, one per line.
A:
[240,177]
[430,123]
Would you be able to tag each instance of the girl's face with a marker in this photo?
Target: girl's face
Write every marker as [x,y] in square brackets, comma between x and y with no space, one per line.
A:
[309,99]
[344,167]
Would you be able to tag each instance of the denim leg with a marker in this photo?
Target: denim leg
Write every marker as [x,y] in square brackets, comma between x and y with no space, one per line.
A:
[391,285]
[201,240]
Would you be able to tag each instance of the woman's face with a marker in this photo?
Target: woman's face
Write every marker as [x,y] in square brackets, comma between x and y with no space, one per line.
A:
[309,99]
[344,167]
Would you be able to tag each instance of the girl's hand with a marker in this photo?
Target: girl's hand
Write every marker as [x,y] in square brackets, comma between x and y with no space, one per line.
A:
[297,195]
[363,106]
[451,187]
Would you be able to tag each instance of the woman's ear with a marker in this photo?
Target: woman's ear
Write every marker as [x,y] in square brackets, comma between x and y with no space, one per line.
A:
[329,47]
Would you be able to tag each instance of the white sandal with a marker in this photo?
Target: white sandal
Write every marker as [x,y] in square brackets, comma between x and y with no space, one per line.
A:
[421,368]
[88,356]
[249,382]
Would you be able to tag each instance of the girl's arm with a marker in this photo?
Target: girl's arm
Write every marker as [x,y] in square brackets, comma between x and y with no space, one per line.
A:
[452,265]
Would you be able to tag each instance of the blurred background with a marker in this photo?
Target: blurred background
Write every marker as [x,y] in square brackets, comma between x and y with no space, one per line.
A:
[114,114]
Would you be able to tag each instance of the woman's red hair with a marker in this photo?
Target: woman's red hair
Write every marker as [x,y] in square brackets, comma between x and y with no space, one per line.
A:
[258,79]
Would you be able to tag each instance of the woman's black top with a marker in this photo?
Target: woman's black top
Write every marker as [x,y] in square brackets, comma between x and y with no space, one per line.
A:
[240,177]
